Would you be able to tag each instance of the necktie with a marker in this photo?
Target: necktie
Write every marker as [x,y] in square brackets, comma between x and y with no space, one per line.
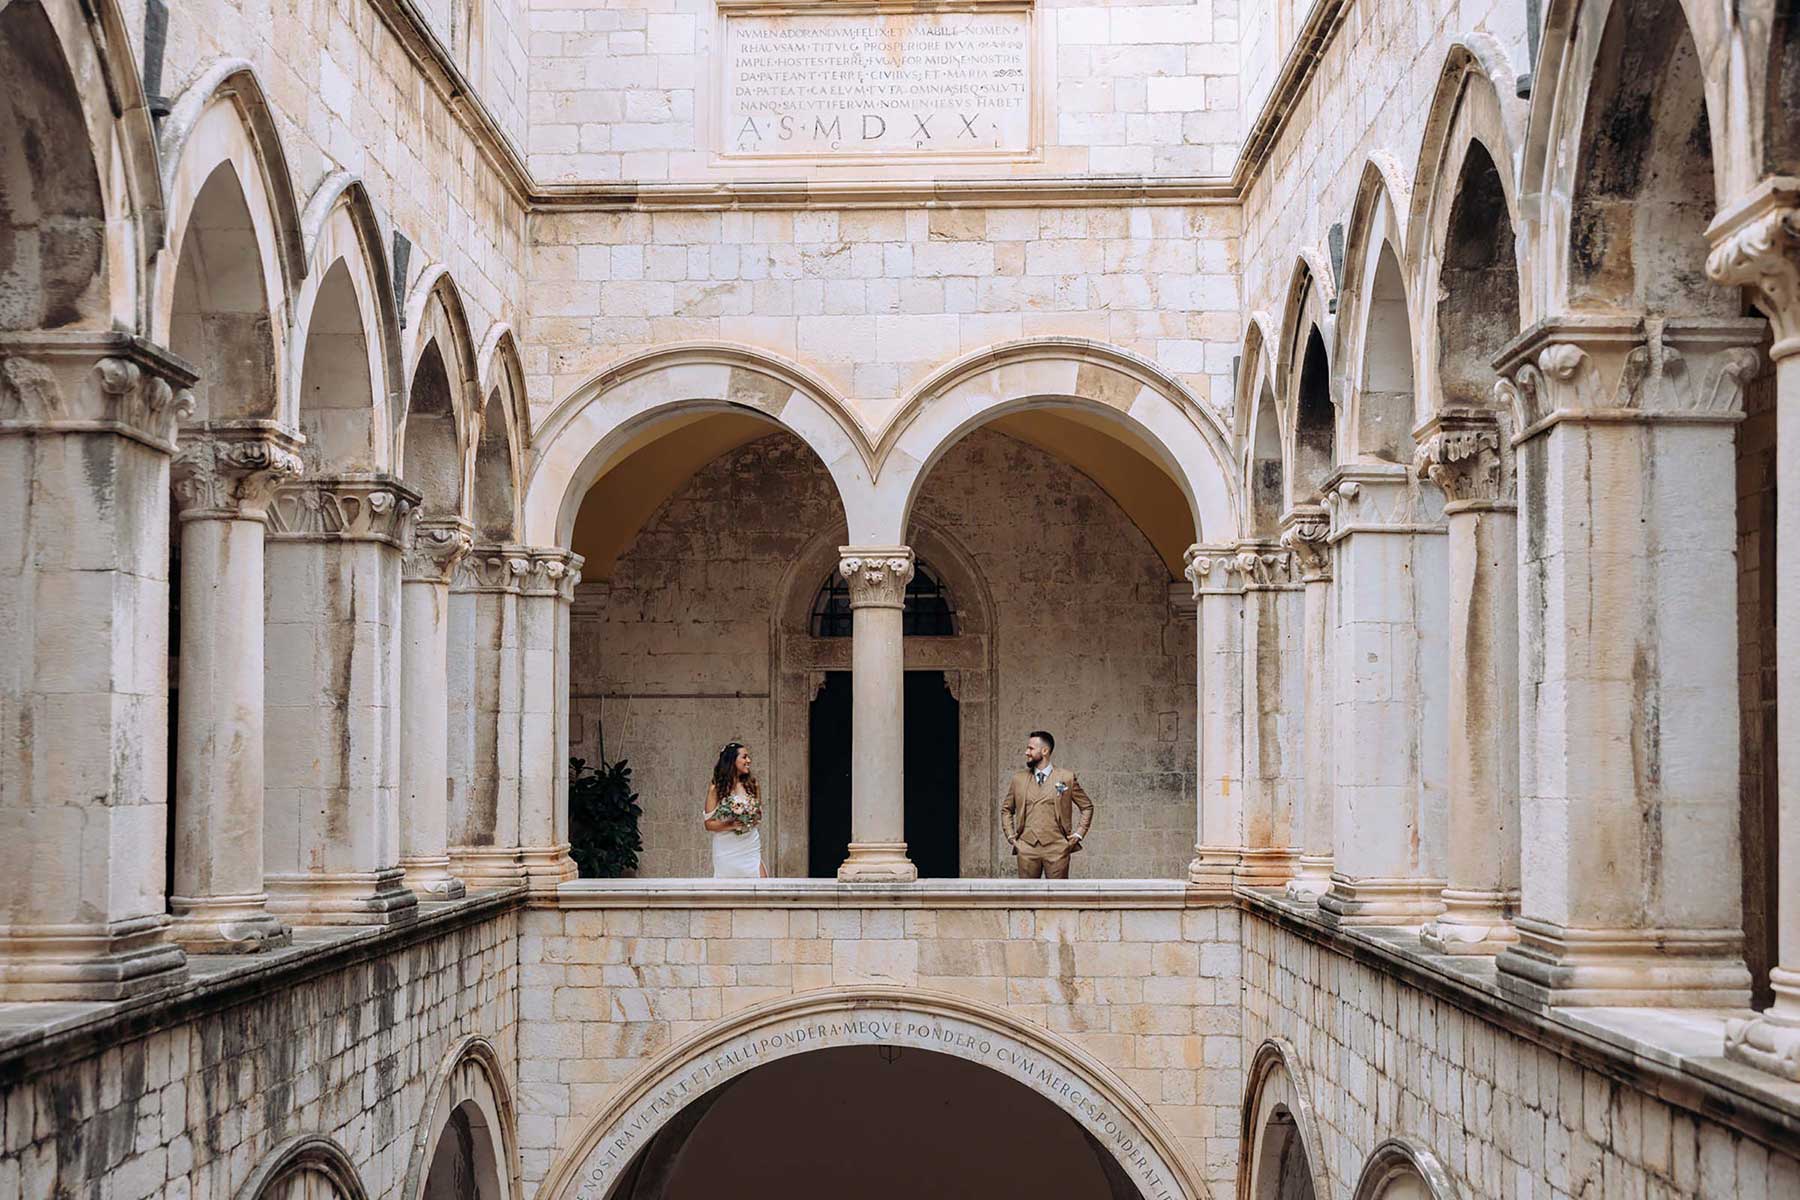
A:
[1040,775]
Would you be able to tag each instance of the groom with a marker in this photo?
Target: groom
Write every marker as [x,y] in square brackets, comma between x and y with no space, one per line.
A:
[1036,810]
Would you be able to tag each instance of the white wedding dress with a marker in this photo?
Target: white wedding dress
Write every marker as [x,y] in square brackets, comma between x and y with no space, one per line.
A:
[736,855]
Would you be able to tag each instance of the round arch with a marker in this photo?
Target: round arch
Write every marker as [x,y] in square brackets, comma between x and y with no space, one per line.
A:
[619,411]
[1132,400]
[347,261]
[1399,1170]
[871,1016]
[500,435]
[1311,445]
[1378,368]
[471,1086]
[307,1154]
[1276,1100]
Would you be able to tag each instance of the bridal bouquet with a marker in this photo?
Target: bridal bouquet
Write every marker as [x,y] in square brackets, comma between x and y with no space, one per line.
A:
[745,811]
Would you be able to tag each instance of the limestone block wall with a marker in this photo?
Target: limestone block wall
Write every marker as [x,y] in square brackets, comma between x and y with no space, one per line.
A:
[190,1108]
[876,300]
[1151,994]
[1507,1116]
[679,657]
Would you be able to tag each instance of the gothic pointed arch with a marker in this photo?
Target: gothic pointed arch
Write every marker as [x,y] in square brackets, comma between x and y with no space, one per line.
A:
[436,453]
[345,345]
[500,436]
[1303,382]
[1281,1153]
[308,1166]
[1258,432]
[1399,1169]
[1113,392]
[466,1142]
[1375,320]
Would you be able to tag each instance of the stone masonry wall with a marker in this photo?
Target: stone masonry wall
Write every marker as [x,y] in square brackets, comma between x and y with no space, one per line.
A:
[188,1112]
[1508,1118]
[1087,644]
[1151,994]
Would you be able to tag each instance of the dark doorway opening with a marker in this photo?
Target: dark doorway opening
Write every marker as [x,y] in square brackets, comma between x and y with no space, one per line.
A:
[931,766]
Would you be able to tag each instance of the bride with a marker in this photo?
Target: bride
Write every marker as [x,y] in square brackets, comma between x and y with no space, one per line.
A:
[736,840]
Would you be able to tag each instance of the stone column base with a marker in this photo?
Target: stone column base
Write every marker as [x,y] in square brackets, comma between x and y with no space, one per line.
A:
[89,962]
[1552,966]
[430,878]
[1400,903]
[225,924]
[1771,1041]
[1213,871]
[1265,868]
[877,862]
[482,867]
[1312,878]
[545,867]
[1473,923]
[342,898]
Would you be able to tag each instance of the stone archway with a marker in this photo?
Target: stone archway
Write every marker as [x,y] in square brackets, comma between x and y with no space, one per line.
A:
[909,1019]
[309,1166]
[1280,1154]
[1399,1170]
[466,1143]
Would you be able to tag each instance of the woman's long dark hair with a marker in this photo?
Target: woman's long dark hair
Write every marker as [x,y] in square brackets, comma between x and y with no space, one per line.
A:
[725,773]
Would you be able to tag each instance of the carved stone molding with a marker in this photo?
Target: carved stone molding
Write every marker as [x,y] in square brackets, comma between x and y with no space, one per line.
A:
[434,549]
[1757,244]
[229,472]
[877,575]
[1628,369]
[87,382]
[347,508]
[1465,452]
[1213,569]
[551,572]
[491,567]
[1265,566]
[1304,532]
[1381,498]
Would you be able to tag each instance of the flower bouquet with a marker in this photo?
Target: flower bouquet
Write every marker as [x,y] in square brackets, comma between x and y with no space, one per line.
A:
[745,811]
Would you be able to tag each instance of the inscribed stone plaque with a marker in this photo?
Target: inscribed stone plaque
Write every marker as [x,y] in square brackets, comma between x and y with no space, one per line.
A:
[846,85]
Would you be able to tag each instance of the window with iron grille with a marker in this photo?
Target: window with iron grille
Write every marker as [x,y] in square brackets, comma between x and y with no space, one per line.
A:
[927,611]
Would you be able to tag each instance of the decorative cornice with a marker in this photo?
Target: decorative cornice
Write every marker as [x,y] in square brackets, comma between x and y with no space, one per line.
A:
[1757,244]
[551,572]
[344,508]
[229,471]
[86,382]
[1214,570]
[1466,453]
[1304,533]
[877,575]
[434,548]
[492,567]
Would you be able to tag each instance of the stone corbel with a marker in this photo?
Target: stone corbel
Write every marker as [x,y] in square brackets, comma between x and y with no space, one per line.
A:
[229,471]
[1466,452]
[346,508]
[1756,244]
[85,382]
[1304,530]
[436,546]
[877,575]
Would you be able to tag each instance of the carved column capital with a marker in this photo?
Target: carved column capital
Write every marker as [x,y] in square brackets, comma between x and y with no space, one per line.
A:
[1265,565]
[877,575]
[1382,498]
[1466,452]
[229,472]
[1756,243]
[492,567]
[434,549]
[1213,569]
[551,572]
[1305,529]
[346,508]
[87,382]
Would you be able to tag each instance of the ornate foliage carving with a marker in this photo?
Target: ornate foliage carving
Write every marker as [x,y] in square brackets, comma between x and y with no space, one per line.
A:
[1760,248]
[93,382]
[345,508]
[1304,535]
[877,578]
[492,568]
[231,474]
[1685,368]
[1213,569]
[551,573]
[434,550]
[1466,456]
[1263,567]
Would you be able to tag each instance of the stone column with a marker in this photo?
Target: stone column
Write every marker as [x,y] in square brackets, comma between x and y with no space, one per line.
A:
[332,582]
[436,547]
[1389,793]
[224,479]
[87,427]
[485,694]
[1274,605]
[1465,452]
[1218,583]
[1303,532]
[877,576]
[1628,660]
[1757,243]
[548,588]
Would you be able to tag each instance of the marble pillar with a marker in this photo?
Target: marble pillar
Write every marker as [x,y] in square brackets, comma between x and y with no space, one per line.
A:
[1304,530]
[485,694]
[1757,243]
[1628,768]
[1273,706]
[877,576]
[1389,736]
[224,478]
[87,428]
[1218,580]
[1467,453]
[436,546]
[546,591]
[332,584]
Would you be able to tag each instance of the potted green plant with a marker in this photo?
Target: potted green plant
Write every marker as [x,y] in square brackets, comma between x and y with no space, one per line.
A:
[603,819]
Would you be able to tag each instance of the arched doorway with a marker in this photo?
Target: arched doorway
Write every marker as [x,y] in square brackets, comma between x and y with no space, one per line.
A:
[1280,1156]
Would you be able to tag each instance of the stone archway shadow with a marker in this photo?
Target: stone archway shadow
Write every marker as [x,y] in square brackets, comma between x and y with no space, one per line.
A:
[870,1016]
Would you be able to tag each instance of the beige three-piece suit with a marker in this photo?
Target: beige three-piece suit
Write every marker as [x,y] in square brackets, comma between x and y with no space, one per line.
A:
[1039,818]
